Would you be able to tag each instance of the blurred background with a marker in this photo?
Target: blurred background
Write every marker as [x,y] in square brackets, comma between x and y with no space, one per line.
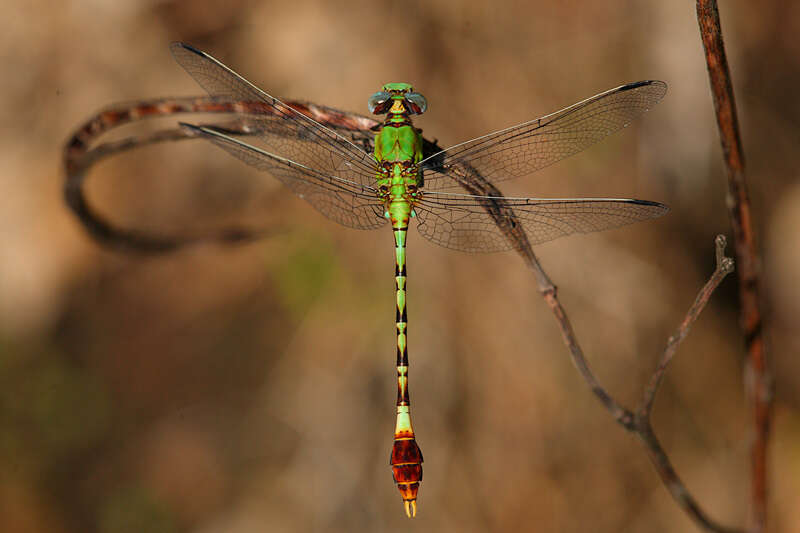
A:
[252,387]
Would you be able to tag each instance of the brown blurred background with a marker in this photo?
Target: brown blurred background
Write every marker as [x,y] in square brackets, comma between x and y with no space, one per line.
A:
[251,388]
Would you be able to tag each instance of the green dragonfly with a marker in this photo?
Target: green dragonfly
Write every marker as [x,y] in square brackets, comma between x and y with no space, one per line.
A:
[398,181]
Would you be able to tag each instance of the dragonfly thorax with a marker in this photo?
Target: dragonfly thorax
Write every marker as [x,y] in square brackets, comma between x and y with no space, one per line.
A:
[399,190]
[398,180]
[397,143]
[398,151]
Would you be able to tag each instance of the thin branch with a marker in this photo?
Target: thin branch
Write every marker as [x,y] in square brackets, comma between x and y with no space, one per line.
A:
[675,486]
[758,378]
[639,422]
[622,415]
[724,267]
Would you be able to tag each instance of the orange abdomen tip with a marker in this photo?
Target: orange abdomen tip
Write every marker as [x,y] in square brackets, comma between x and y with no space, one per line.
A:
[406,461]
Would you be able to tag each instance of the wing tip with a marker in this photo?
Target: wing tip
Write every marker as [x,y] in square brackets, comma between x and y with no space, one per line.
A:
[660,209]
[643,83]
[191,128]
[660,86]
[179,46]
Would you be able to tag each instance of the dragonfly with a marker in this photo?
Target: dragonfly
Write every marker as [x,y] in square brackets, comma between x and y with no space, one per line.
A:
[393,176]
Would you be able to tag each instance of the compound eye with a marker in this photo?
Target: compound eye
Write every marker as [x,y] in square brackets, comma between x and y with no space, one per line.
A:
[416,103]
[379,103]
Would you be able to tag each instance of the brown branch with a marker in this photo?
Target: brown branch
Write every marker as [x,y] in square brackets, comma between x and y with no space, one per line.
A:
[724,267]
[758,379]
[82,152]
[639,422]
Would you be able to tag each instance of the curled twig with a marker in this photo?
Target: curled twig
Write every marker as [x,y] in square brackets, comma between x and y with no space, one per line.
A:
[82,151]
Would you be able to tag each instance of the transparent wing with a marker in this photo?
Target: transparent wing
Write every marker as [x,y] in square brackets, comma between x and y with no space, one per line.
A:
[285,131]
[527,147]
[346,202]
[496,223]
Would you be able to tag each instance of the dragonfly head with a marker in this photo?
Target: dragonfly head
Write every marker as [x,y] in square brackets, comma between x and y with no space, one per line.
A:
[397,99]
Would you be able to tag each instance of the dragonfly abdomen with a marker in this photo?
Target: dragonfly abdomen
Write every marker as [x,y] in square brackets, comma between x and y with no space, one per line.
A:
[406,457]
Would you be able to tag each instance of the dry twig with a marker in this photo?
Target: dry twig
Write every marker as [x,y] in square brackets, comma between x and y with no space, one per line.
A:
[758,379]
[82,152]
[638,422]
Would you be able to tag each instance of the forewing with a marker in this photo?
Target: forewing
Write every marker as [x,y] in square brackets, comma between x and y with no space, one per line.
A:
[343,201]
[496,223]
[527,147]
[285,131]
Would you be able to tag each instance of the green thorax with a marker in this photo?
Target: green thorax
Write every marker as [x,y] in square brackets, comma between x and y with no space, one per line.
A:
[398,151]
[398,142]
